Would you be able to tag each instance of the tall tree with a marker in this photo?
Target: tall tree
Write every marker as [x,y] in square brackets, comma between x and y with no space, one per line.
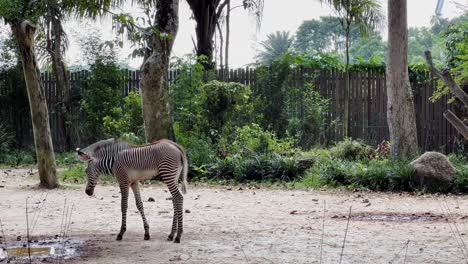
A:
[21,15]
[323,35]
[401,115]
[155,39]
[276,45]
[367,15]
[207,14]
[55,45]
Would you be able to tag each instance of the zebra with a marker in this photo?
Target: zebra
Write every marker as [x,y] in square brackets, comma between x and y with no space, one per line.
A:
[133,163]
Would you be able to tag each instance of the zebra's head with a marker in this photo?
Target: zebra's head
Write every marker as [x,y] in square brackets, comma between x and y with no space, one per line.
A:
[92,170]
[99,157]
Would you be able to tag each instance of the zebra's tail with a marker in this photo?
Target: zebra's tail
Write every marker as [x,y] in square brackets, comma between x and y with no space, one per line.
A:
[185,167]
[185,171]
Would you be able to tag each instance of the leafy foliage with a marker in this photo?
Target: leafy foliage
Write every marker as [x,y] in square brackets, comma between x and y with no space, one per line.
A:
[323,35]
[126,121]
[274,47]
[352,150]
[100,97]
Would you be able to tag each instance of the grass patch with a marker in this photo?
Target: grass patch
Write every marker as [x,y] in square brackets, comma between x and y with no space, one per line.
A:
[76,174]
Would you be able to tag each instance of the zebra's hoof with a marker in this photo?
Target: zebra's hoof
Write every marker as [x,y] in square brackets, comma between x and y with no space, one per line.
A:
[147,237]
[119,237]
[170,238]
[177,240]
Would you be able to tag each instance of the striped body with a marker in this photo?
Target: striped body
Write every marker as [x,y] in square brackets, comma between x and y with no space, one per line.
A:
[131,164]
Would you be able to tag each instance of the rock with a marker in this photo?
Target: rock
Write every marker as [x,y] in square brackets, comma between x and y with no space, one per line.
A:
[151,199]
[187,211]
[365,201]
[293,212]
[433,171]
[176,258]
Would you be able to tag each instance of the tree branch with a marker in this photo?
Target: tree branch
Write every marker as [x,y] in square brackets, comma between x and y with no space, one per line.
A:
[220,8]
[457,123]
[447,79]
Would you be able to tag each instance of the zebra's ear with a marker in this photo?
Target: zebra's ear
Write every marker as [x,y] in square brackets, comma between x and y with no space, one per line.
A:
[83,156]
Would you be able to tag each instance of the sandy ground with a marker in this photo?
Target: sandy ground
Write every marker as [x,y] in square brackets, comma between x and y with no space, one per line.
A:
[246,226]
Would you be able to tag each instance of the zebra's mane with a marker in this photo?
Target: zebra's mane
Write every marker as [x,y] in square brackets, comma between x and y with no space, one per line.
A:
[105,147]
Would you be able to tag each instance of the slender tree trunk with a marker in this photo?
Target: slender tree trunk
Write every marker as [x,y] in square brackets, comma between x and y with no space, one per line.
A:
[206,16]
[346,92]
[221,51]
[54,48]
[401,115]
[24,34]
[228,35]
[154,84]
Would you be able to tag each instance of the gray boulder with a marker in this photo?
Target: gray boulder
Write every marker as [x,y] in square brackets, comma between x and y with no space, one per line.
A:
[433,171]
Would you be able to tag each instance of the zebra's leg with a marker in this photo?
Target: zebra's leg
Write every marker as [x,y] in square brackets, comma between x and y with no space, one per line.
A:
[177,202]
[136,191]
[124,206]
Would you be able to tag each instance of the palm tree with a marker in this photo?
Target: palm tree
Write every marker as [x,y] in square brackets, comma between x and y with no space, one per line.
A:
[367,15]
[275,46]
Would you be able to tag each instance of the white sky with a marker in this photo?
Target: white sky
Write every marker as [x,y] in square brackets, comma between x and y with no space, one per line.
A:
[277,15]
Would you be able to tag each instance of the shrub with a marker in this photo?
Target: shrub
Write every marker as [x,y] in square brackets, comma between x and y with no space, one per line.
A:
[126,121]
[226,106]
[253,139]
[6,139]
[256,167]
[306,125]
[18,157]
[460,163]
[352,150]
[101,96]
[384,175]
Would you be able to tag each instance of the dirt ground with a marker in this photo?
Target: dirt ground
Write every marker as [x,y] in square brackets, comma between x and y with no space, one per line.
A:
[245,226]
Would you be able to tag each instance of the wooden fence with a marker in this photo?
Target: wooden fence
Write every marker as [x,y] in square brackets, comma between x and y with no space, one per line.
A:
[367,108]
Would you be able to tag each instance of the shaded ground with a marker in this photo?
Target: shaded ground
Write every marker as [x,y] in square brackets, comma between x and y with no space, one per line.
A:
[246,226]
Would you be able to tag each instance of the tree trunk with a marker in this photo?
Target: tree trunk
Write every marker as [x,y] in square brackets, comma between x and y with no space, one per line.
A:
[24,34]
[401,115]
[54,48]
[206,16]
[228,34]
[347,92]
[154,84]
[221,51]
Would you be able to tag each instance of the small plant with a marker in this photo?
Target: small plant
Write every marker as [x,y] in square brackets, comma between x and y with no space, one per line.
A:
[352,150]
[74,174]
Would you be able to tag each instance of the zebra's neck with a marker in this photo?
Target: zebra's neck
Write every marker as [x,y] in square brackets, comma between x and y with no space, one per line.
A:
[108,155]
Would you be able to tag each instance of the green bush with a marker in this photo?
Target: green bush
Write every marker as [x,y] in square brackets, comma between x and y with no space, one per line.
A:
[256,168]
[460,163]
[66,158]
[18,157]
[100,97]
[226,106]
[199,148]
[352,150]
[126,121]
[6,139]
[306,108]
[377,175]
[253,139]
[383,175]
